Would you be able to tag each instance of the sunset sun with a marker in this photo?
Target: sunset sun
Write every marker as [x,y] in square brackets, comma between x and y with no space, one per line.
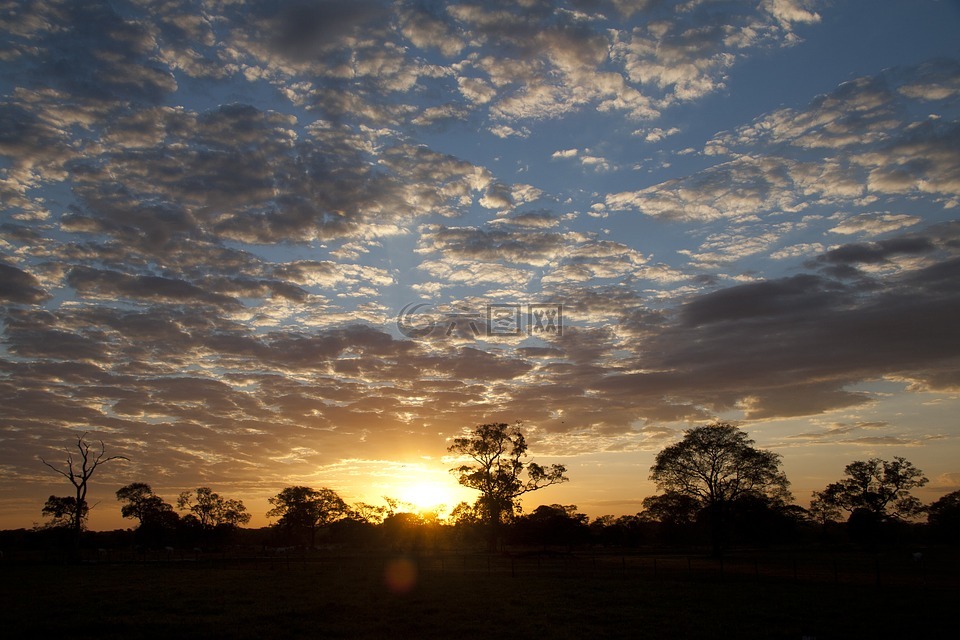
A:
[429,494]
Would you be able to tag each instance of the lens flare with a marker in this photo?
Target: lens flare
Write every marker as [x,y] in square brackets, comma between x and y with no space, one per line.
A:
[400,575]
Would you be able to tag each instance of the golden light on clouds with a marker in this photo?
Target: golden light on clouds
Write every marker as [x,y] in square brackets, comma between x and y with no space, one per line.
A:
[207,268]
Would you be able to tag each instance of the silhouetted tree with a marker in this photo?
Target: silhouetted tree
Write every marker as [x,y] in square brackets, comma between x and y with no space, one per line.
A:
[497,471]
[552,525]
[403,530]
[876,494]
[354,531]
[943,517]
[304,509]
[675,514]
[156,517]
[672,508]
[141,502]
[717,464]
[395,505]
[616,531]
[602,530]
[824,512]
[465,514]
[79,471]
[365,512]
[62,511]
[467,523]
[211,510]
[757,519]
[876,486]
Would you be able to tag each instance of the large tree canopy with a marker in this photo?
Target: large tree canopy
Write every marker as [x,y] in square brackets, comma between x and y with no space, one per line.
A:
[212,510]
[305,509]
[63,513]
[944,517]
[716,465]
[498,470]
[140,502]
[877,486]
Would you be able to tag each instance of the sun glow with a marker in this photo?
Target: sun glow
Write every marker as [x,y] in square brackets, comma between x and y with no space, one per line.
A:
[431,496]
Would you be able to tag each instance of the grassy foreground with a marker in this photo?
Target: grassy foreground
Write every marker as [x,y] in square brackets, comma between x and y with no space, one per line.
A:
[384,598]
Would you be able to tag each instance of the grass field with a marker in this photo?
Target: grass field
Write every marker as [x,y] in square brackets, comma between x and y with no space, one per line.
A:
[470,597]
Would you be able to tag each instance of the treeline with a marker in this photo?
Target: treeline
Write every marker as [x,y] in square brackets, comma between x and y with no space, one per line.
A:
[664,522]
[717,490]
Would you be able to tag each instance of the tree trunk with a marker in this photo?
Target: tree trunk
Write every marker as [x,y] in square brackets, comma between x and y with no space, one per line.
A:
[718,528]
[78,518]
[494,529]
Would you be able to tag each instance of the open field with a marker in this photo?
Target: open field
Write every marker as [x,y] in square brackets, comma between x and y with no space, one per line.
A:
[473,596]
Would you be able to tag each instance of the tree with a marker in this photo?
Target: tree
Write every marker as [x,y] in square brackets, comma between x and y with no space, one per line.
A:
[464,514]
[674,515]
[554,524]
[305,509]
[156,517]
[141,502]
[823,511]
[78,472]
[673,509]
[943,517]
[62,511]
[365,512]
[404,530]
[497,471]
[875,487]
[211,510]
[716,465]
[622,531]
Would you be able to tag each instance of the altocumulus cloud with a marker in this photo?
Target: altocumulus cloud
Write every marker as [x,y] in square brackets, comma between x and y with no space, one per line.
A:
[213,211]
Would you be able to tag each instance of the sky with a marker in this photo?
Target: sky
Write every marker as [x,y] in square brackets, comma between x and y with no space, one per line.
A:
[256,244]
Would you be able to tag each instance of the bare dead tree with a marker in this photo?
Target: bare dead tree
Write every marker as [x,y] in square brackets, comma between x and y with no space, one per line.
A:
[78,472]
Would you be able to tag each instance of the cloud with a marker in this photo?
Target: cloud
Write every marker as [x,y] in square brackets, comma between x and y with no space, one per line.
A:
[20,286]
[532,219]
[109,285]
[565,153]
[329,274]
[596,163]
[793,346]
[657,134]
[476,90]
[739,189]
[524,247]
[686,55]
[828,434]
[936,80]
[949,480]
[426,29]
[875,252]
[885,441]
[531,64]
[875,224]
[798,250]
[790,11]
[870,154]
[562,256]
[865,125]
